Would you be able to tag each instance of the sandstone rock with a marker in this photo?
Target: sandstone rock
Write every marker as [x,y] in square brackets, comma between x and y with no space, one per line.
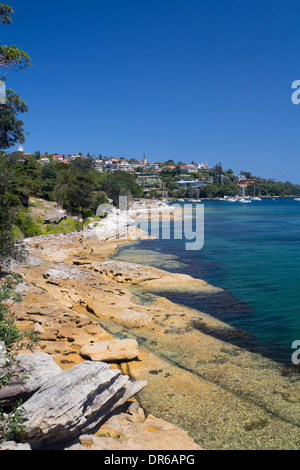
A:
[77,401]
[120,433]
[62,272]
[38,367]
[110,351]
[38,328]
[12,445]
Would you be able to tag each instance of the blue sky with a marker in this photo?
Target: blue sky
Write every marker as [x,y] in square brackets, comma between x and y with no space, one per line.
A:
[188,80]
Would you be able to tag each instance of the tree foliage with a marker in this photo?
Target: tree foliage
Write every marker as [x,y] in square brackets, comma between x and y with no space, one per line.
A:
[9,207]
[11,127]
[11,132]
[6,13]
[11,58]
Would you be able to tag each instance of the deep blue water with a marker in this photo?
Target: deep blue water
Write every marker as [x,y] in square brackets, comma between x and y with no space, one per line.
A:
[253,252]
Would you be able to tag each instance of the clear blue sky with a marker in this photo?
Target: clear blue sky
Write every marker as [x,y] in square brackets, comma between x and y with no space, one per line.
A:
[187,80]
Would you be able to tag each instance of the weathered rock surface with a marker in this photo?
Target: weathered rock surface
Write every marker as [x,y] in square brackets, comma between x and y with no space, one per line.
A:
[111,351]
[150,278]
[131,430]
[12,445]
[38,367]
[224,396]
[75,401]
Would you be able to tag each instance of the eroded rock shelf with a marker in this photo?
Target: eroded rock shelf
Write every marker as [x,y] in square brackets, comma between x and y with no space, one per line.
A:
[219,395]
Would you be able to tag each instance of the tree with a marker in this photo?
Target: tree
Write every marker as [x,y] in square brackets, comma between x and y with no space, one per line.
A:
[247,174]
[76,192]
[169,163]
[28,173]
[11,58]
[9,205]
[11,127]
[217,174]
[80,165]
[6,12]
[11,132]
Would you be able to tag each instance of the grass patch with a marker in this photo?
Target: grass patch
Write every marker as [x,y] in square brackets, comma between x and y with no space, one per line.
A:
[26,226]
[30,224]
[65,226]
[90,220]
[37,204]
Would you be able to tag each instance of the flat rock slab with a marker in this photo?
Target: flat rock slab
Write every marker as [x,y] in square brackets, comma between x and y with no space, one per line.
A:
[110,351]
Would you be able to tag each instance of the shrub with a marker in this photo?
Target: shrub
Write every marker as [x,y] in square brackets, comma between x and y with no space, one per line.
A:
[11,424]
[27,225]
[65,226]
[86,213]
[14,340]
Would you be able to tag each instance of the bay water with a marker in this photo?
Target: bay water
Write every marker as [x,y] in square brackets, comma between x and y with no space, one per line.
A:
[251,251]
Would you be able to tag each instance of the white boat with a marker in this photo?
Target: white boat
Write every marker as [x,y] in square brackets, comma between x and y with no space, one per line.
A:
[255,198]
[245,200]
[297,199]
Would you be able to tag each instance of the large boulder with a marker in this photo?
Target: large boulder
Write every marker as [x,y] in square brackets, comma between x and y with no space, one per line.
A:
[110,351]
[76,401]
[36,369]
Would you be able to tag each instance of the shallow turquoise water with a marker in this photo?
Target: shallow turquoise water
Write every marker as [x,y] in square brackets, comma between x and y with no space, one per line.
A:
[253,252]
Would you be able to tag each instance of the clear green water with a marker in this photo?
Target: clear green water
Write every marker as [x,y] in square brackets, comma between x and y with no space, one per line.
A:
[250,250]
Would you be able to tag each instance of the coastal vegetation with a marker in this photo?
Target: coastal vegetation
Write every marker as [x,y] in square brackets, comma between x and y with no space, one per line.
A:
[33,186]
[78,189]
[14,341]
[218,183]
[11,132]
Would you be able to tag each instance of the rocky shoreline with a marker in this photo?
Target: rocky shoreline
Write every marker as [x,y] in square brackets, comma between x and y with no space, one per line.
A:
[201,392]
